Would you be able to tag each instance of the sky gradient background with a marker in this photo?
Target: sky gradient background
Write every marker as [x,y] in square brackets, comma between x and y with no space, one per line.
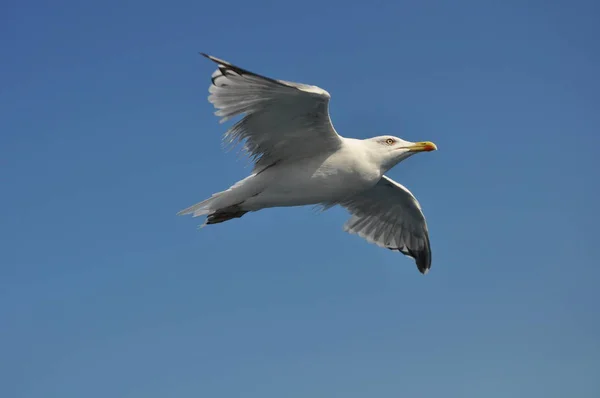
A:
[105,133]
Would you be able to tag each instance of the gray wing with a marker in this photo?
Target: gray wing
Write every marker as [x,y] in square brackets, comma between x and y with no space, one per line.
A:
[282,120]
[389,216]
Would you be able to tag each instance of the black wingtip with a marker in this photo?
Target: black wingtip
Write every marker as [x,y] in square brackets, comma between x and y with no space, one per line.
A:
[214,59]
[205,55]
[222,62]
[241,71]
[423,260]
[423,270]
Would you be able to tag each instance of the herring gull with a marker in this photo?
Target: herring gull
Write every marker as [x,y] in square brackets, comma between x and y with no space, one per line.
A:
[300,159]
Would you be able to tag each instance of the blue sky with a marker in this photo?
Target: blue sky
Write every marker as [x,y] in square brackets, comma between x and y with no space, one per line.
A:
[105,133]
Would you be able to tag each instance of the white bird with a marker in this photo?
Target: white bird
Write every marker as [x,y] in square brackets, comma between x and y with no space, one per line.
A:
[300,159]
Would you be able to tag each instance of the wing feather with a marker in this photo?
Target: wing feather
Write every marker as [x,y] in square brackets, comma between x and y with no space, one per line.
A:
[389,216]
[282,120]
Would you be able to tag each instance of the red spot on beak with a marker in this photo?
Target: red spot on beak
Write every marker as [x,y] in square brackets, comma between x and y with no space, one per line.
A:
[430,146]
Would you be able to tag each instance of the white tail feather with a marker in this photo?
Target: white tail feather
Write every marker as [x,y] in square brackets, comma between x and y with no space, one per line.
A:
[232,196]
[201,208]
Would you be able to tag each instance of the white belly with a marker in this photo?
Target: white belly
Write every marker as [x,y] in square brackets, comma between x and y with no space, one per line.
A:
[327,179]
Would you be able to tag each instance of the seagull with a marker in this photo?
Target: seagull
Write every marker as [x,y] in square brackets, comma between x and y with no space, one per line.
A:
[299,159]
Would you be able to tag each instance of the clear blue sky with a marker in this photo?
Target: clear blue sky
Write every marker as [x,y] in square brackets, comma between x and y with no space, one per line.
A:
[105,133]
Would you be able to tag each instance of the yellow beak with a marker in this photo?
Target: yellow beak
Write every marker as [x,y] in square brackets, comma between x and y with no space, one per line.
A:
[425,146]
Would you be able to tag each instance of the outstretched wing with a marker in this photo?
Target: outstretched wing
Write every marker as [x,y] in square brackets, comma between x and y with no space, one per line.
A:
[389,216]
[282,120]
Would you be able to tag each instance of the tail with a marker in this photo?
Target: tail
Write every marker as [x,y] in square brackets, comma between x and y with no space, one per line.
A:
[224,205]
[201,208]
[214,216]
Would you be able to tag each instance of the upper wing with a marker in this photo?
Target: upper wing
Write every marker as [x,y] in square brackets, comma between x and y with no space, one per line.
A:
[282,120]
[390,216]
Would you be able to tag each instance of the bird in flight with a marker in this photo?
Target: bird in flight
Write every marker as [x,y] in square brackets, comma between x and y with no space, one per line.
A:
[300,159]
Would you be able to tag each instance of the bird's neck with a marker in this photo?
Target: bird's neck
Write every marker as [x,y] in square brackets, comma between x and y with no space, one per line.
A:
[368,156]
[384,161]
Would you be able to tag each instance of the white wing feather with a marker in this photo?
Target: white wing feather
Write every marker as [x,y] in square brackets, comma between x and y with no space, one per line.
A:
[389,216]
[283,120]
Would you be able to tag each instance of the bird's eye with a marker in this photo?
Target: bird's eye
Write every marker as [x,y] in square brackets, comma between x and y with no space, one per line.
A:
[389,141]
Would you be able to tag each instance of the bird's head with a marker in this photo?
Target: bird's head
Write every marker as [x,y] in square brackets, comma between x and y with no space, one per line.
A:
[389,150]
